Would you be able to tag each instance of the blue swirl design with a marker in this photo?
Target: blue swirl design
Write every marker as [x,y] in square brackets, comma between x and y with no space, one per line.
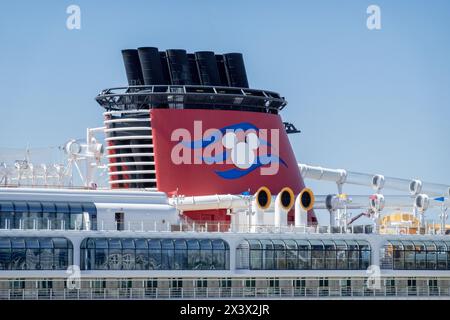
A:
[238,173]
[218,158]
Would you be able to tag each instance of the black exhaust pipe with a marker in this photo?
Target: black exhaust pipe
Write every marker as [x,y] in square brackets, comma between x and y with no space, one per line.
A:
[179,67]
[132,67]
[193,69]
[151,67]
[221,67]
[237,76]
[207,68]
[165,67]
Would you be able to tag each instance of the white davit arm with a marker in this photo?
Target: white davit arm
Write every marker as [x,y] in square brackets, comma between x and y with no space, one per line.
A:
[375,181]
[376,202]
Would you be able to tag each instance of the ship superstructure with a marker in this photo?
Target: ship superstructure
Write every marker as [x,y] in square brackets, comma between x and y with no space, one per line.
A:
[206,199]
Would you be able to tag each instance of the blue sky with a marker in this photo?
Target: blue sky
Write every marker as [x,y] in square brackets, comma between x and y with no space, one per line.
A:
[371,101]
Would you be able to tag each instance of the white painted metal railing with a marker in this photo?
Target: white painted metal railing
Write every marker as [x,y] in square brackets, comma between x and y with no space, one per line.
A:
[156,226]
[411,292]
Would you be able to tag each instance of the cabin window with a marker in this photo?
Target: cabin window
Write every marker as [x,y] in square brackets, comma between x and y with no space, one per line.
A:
[290,254]
[415,255]
[35,253]
[154,254]
[56,215]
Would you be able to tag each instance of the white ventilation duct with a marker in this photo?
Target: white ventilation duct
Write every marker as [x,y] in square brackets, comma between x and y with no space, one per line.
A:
[261,202]
[283,203]
[303,203]
[211,202]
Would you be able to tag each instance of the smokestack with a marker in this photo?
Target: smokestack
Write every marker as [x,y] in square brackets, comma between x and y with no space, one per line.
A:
[222,70]
[178,67]
[132,67]
[165,67]
[193,69]
[237,76]
[151,67]
[207,68]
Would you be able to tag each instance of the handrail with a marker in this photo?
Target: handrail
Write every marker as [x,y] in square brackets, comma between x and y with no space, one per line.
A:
[45,224]
[223,293]
[149,96]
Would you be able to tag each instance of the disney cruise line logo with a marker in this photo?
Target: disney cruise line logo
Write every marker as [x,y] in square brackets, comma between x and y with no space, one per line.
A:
[242,145]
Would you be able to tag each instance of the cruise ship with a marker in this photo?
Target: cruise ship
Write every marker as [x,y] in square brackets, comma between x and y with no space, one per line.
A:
[205,199]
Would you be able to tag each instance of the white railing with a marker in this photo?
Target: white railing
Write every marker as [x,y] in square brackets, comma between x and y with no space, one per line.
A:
[221,293]
[154,226]
[43,224]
